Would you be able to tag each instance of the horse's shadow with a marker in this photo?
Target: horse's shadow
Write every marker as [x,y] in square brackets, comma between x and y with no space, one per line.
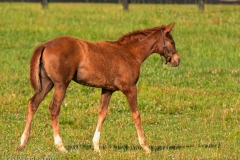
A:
[153,148]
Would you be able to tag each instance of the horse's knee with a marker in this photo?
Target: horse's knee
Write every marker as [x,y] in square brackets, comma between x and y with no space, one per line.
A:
[57,99]
[54,111]
[102,114]
[32,107]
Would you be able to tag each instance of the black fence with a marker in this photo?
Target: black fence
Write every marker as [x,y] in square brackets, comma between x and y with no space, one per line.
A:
[137,1]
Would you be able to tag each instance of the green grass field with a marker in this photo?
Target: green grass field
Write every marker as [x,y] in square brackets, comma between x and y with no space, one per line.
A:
[189,112]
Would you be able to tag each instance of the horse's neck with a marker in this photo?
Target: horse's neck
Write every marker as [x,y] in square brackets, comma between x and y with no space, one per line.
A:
[144,47]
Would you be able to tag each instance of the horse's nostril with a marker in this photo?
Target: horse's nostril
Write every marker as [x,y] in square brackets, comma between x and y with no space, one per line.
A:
[175,63]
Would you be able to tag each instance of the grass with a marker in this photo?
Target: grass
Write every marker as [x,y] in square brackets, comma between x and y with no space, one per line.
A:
[189,112]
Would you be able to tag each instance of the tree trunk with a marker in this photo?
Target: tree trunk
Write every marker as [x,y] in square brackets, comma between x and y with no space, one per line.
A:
[201,5]
[44,3]
[125,4]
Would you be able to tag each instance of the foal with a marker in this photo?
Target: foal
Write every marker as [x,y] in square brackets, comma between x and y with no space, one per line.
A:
[111,66]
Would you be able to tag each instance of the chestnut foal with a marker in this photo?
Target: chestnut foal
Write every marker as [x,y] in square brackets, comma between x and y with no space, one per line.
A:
[108,65]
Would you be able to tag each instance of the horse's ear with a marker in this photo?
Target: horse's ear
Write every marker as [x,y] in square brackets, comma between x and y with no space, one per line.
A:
[168,28]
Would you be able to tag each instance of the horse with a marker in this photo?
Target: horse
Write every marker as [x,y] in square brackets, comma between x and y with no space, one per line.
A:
[110,65]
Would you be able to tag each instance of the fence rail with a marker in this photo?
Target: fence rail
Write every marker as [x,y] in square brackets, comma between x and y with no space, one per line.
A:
[138,1]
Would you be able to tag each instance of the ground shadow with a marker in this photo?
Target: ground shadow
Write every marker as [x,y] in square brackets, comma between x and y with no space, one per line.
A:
[177,147]
[78,146]
[153,148]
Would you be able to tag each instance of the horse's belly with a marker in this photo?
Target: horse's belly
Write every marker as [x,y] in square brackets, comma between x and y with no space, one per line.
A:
[95,80]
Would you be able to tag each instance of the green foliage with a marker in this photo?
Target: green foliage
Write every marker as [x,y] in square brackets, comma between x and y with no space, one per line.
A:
[189,112]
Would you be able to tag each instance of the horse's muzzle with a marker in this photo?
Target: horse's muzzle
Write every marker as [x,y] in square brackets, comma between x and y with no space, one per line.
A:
[175,60]
[175,63]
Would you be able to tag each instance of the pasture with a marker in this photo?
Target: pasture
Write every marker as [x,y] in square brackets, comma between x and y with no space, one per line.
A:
[188,112]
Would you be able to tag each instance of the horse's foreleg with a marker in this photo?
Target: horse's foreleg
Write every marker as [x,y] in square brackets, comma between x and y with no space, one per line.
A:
[131,95]
[33,104]
[102,112]
[54,108]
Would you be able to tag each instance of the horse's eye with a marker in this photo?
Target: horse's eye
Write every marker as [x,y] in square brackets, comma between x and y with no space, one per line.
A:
[173,43]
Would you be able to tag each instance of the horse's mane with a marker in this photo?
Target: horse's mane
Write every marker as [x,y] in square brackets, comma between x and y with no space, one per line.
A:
[137,33]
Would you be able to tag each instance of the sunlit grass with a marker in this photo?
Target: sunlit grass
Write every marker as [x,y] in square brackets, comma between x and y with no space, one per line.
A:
[189,112]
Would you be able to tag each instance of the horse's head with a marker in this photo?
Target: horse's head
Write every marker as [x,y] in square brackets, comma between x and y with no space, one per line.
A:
[166,47]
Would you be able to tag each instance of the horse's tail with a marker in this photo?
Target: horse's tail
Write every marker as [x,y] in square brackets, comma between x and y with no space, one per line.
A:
[35,68]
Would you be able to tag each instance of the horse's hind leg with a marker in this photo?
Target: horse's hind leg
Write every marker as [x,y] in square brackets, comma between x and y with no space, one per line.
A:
[102,112]
[54,108]
[33,104]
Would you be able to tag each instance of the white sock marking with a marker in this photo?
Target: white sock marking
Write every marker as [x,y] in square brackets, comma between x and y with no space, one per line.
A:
[23,138]
[57,140]
[96,137]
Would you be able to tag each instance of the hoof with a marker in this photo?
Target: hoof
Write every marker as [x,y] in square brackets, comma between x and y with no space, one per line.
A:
[96,148]
[97,151]
[147,149]
[20,148]
[62,149]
